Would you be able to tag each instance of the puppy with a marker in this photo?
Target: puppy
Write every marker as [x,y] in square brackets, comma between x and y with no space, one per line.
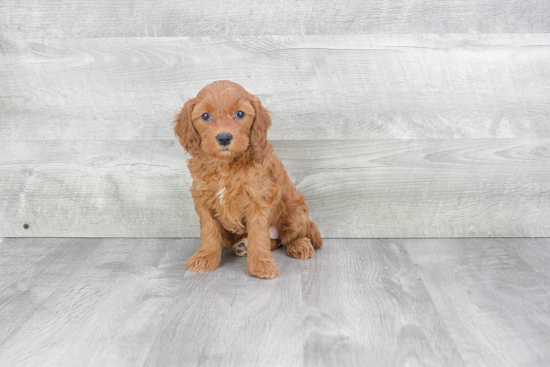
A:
[242,193]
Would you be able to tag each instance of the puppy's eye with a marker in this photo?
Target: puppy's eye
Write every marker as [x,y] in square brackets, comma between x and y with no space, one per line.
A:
[239,114]
[205,116]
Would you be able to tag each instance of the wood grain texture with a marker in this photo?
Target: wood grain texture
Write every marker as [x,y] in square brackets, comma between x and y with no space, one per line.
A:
[101,306]
[318,87]
[365,306]
[131,302]
[31,270]
[103,18]
[535,255]
[484,291]
[250,322]
[125,189]
[354,188]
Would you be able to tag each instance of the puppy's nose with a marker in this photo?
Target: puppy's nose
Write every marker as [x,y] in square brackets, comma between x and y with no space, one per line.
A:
[224,139]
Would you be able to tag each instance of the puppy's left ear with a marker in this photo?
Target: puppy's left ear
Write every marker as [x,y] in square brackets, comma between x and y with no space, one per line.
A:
[258,132]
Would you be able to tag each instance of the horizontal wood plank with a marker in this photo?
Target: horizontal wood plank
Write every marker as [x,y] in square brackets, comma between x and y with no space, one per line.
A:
[356,188]
[318,87]
[161,18]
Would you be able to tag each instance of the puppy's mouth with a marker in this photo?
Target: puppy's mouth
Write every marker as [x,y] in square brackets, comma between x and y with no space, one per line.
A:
[224,152]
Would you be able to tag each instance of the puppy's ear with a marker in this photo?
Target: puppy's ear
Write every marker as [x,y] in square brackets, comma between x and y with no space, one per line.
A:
[185,131]
[258,132]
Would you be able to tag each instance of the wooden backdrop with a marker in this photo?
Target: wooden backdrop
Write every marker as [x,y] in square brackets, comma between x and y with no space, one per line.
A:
[395,118]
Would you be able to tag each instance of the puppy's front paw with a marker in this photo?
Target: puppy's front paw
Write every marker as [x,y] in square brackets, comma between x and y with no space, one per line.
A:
[263,268]
[239,248]
[204,262]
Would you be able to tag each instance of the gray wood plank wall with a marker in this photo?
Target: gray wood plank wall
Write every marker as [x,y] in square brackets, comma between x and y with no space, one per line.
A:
[395,119]
[173,18]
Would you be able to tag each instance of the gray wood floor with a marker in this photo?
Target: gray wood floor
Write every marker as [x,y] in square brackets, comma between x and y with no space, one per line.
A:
[358,302]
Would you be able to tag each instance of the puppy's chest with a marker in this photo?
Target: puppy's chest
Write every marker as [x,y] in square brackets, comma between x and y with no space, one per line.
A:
[227,203]
[221,195]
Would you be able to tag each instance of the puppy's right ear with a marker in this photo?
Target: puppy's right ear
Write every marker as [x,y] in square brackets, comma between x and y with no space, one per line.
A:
[185,131]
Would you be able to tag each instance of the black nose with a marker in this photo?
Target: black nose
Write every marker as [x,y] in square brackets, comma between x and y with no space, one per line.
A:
[224,139]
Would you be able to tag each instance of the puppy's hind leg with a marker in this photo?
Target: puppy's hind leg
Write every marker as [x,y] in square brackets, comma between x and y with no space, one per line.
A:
[300,248]
[298,233]
[314,235]
[303,247]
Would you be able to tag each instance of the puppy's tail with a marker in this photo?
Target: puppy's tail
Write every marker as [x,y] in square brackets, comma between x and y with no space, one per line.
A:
[314,235]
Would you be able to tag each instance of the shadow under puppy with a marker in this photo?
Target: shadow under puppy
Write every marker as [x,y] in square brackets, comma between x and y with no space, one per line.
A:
[242,193]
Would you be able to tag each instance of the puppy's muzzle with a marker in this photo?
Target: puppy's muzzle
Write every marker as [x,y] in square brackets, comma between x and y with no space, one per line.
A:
[224,139]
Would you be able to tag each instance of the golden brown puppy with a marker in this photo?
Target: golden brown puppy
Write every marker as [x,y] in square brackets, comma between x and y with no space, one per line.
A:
[242,193]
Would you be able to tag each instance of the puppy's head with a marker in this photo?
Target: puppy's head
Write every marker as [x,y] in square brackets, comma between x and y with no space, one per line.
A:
[223,121]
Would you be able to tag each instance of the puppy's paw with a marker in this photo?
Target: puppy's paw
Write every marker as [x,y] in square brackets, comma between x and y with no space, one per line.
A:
[263,268]
[239,248]
[204,262]
[300,248]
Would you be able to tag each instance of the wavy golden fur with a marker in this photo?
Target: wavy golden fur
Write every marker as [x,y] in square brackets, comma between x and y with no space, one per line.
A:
[241,190]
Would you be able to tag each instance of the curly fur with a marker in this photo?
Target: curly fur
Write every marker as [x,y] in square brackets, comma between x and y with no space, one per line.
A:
[243,189]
